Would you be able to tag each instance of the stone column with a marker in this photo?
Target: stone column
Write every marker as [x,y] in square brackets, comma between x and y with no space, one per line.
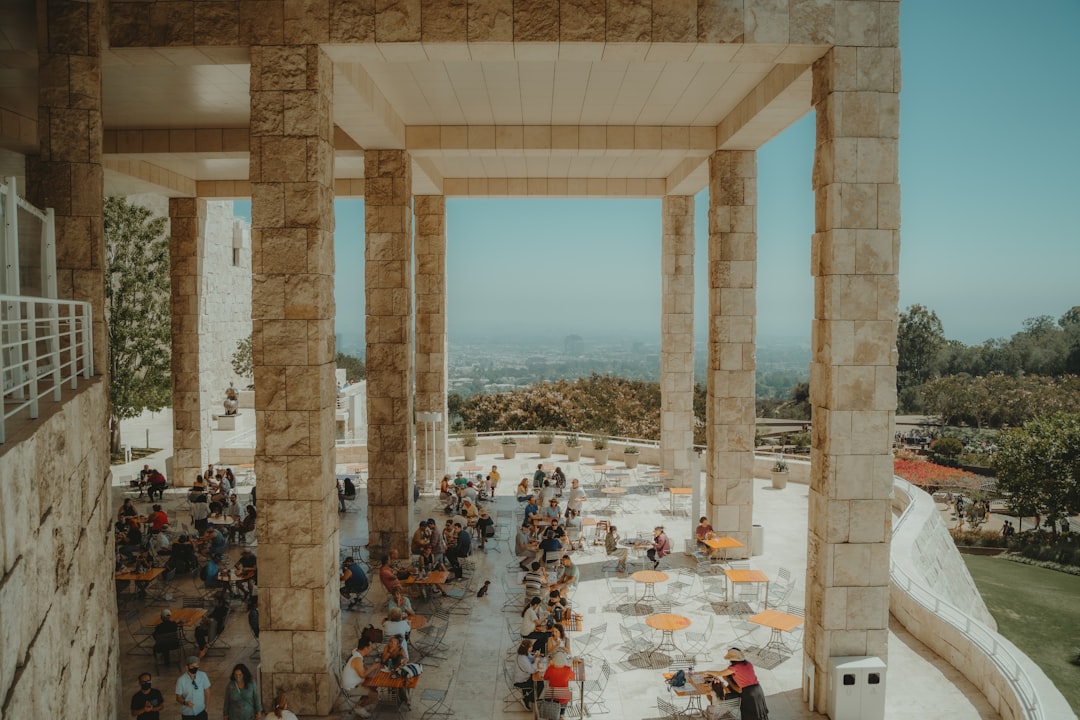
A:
[854,260]
[292,309]
[66,174]
[730,416]
[187,248]
[388,280]
[677,338]
[431,375]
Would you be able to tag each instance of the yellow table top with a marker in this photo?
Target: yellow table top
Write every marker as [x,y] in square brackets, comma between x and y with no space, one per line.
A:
[777,620]
[721,543]
[649,576]
[667,621]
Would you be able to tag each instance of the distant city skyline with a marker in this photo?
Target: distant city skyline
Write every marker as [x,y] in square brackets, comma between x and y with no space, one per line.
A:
[988,158]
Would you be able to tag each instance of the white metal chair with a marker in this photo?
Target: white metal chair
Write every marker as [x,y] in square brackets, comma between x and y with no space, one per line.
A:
[437,701]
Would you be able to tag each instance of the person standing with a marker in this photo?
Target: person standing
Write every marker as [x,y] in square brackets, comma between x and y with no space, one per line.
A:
[493,480]
[193,691]
[146,703]
[740,674]
[242,701]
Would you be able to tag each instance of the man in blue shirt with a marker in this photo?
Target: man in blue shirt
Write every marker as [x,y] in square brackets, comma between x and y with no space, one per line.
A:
[354,581]
[193,691]
[531,507]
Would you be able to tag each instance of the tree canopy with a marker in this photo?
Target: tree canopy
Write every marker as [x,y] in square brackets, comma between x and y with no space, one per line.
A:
[1038,467]
[919,339]
[137,312]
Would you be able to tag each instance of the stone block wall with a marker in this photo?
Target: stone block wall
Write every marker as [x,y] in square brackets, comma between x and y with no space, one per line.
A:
[57,595]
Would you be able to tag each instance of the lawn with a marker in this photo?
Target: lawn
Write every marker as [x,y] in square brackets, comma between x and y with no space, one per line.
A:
[1039,611]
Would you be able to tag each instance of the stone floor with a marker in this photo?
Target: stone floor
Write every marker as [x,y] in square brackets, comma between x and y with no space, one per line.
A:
[919,683]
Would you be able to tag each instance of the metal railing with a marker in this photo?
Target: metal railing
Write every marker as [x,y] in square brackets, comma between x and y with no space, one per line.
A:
[45,344]
[982,637]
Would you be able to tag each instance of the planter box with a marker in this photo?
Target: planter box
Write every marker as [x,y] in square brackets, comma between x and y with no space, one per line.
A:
[509,452]
[631,459]
[779,479]
[601,456]
[573,454]
[545,449]
[469,452]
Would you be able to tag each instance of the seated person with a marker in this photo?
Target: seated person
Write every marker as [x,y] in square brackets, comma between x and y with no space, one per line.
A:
[182,555]
[400,601]
[232,508]
[247,572]
[129,539]
[394,656]
[243,527]
[166,636]
[525,546]
[470,492]
[611,547]
[523,490]
[397,624]
[354,583]
[558,479]
[126,510]
[558,607]
[531,508]
[159,521]
[574,530]
[388,575]
[350,487]
[551,546]
[703,532]
[362,664]
[558,677]
[211,571]
[552,511]
[157,485]
[212,542]
[568,574]
[461,549]
[534,580]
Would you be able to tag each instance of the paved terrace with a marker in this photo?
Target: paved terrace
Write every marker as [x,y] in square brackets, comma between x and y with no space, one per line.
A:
[919,683]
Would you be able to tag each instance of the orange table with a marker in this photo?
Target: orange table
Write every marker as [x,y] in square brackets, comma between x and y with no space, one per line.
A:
[779,623]
[696,688]
[748,576]
[667,623]
[470,468]
[614,494]
[433,578]
[649,578]
[677,492]
[390,687]
[185,617]
[721,543]
[148,576]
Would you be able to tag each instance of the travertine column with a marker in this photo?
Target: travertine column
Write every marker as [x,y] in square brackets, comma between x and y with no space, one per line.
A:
[677,338]
[292,309]
[388,286]
[855,255]
[66,174]
[187,247]
[431,372]
[732,307]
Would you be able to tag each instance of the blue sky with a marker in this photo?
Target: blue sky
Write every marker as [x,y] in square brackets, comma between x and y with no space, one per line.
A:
[990,180]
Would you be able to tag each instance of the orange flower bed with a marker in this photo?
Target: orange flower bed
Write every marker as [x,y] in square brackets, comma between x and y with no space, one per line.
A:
[926,474]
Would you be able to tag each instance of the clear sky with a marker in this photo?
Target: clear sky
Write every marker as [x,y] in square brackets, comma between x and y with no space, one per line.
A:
[990,181]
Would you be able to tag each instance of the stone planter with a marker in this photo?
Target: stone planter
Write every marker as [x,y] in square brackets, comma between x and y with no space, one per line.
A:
[601,456]
[573,454]
[631,459]
[545,449]
[509,452]
[779,479]
[470,452]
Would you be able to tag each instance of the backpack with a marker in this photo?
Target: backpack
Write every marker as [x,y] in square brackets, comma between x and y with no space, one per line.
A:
[678,679]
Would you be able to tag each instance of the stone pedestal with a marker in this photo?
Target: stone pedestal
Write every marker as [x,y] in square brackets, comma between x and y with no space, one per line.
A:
[854,260]
[388,290]
[431,371]
[730,405]
[292,171]
[677,338]
[187,240]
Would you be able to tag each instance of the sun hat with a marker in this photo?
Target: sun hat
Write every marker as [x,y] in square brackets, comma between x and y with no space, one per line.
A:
[735,655]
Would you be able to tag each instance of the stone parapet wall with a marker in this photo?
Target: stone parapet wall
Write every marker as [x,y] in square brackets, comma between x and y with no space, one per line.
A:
[57,594]
[932,595]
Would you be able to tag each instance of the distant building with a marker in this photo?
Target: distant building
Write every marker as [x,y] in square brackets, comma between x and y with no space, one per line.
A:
[574,345]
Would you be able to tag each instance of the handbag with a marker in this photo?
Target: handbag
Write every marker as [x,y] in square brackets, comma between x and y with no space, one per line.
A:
[372,634]
[409,670]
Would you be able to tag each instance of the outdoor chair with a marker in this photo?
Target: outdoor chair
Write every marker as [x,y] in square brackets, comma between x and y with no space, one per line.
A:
[438,701]
[592,641]
[514,694]
[595,685]
[142,635]
[697,642]
[670,711]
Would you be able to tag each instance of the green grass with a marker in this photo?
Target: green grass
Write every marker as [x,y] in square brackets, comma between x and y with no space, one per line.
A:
[1039,611]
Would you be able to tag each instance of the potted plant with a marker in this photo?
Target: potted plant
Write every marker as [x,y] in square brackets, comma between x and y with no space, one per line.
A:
[546,439]
[509,447]
[573,447]
[779,474]
[630,456]
[469,441]
[600,449]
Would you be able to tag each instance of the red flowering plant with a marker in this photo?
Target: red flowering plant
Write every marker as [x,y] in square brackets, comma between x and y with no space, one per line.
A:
[931,476]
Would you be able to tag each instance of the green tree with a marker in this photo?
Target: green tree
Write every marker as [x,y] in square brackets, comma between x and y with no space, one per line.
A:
[136,312]
[919,340]
[242,362]
[1038,467]
[355,369]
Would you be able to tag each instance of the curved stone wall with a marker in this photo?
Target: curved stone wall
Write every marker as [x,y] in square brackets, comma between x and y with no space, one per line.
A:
[933,596]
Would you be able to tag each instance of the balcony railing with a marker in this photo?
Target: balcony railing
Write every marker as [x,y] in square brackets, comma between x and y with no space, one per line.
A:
[45,344]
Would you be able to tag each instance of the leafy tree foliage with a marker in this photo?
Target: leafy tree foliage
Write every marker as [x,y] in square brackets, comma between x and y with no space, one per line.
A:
[999,400]
[355,369]
[946,451]
[919,339]
[242,362]
[1038,467]
[137,312]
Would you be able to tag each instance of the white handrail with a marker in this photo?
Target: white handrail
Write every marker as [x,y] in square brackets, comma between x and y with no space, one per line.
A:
[44,343]
[982,637]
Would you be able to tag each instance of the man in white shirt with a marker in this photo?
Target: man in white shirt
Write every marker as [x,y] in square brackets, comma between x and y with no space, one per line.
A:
[193,691]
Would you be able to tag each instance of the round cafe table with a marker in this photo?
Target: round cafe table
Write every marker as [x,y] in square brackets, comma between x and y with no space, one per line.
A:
[649,578]
[667,623]
[614,494]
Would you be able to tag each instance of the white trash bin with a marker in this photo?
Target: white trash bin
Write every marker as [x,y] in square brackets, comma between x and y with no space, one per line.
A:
[757,540]
[856,688]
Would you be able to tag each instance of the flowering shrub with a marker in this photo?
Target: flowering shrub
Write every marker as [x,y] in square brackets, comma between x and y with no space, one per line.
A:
[931,476]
